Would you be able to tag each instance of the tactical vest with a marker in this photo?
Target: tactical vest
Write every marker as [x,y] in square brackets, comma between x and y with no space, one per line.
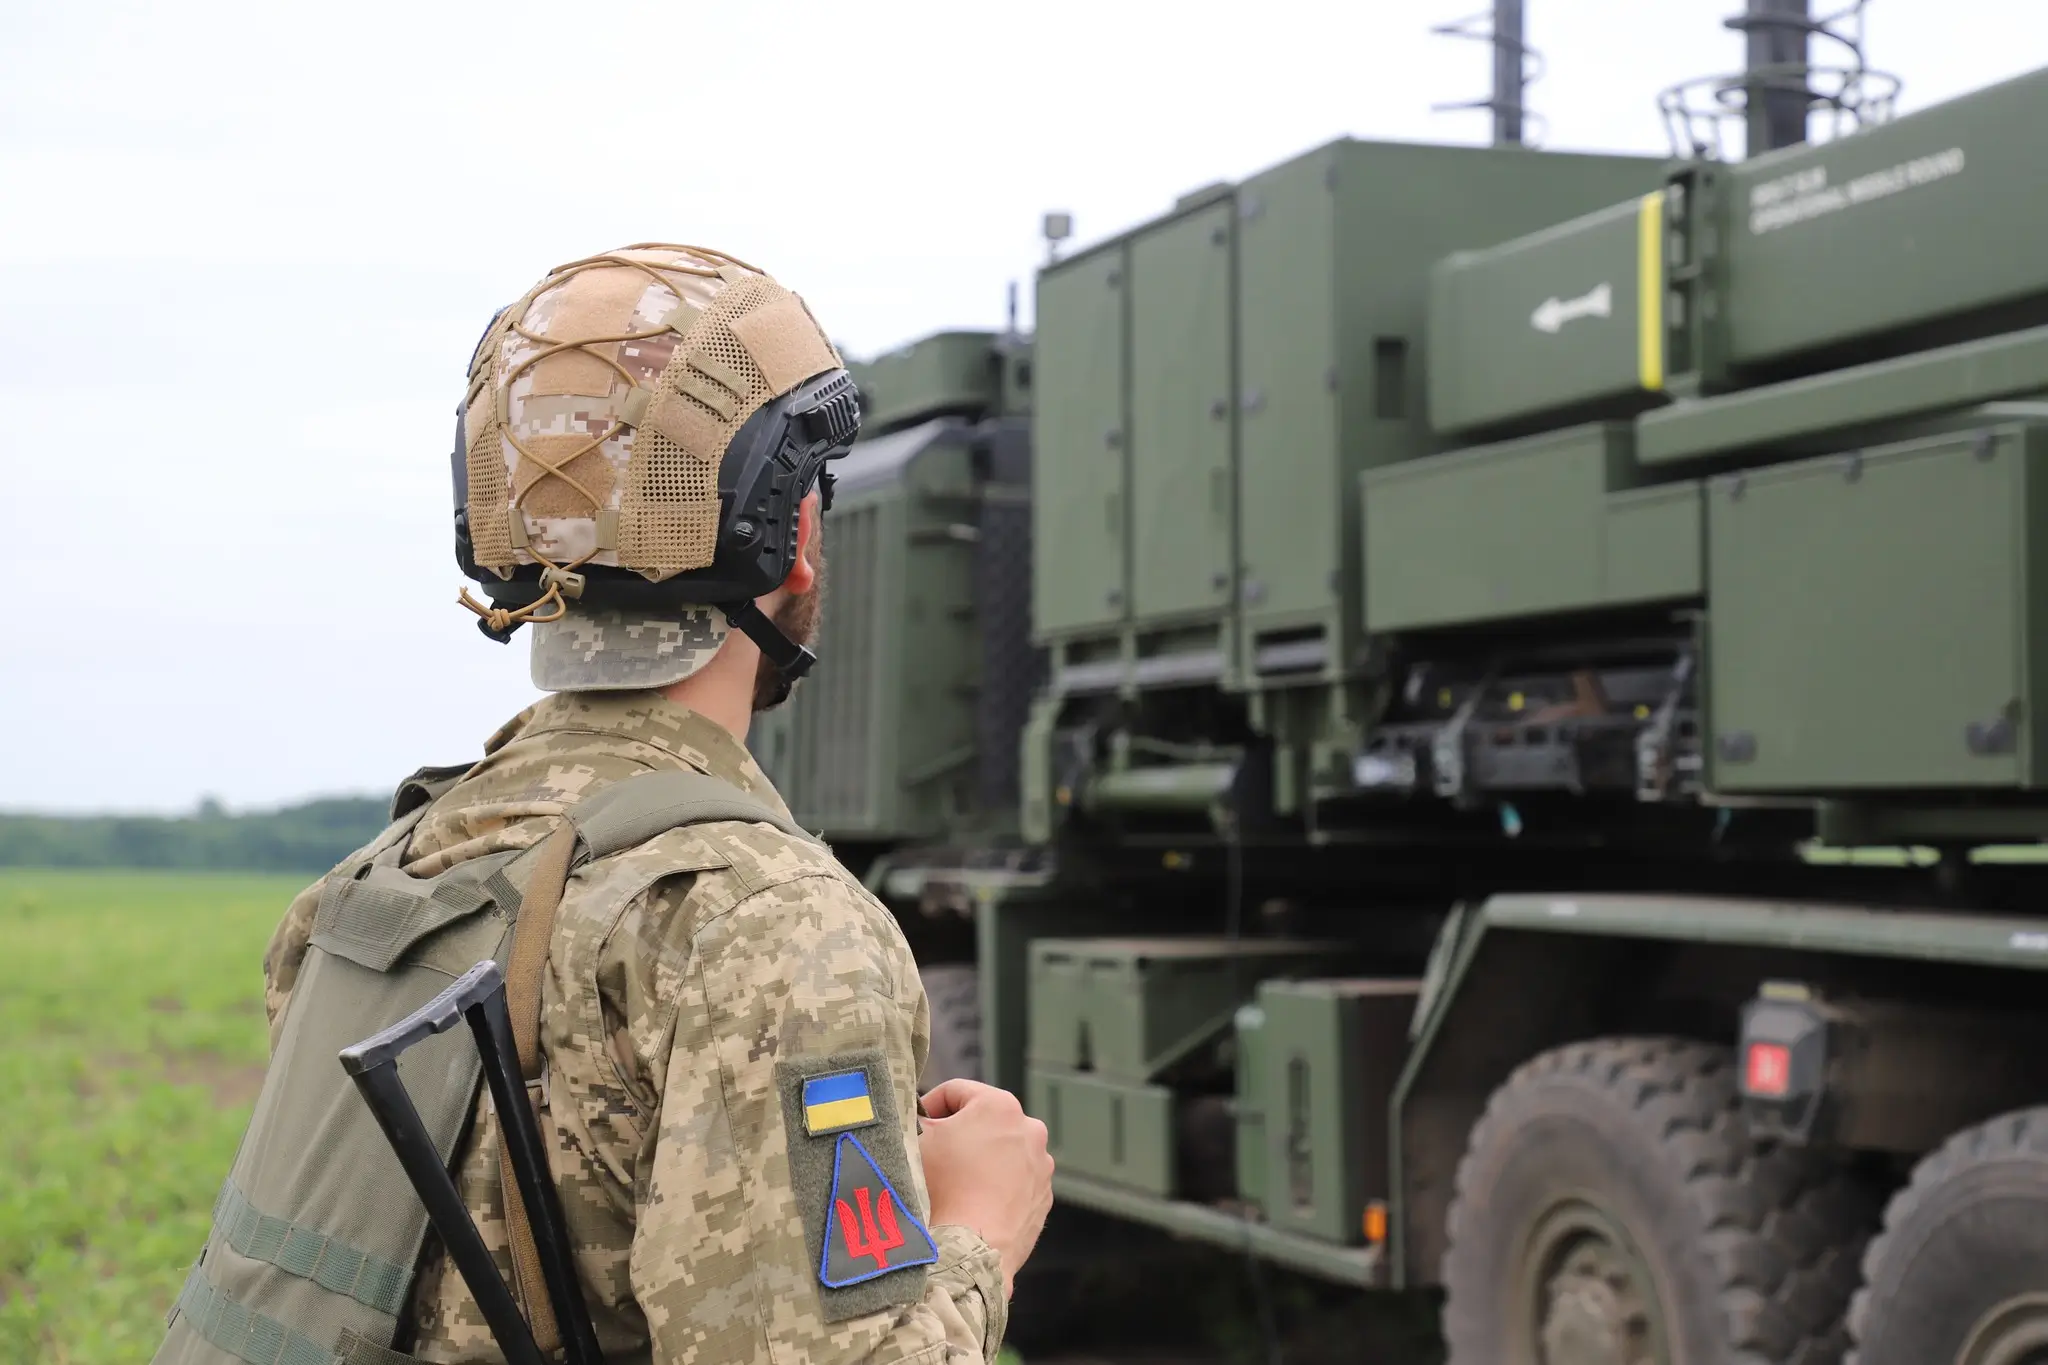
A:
[317,1234]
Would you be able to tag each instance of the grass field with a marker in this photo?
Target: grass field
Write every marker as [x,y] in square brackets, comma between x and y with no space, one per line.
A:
[132,1043]
[131,1009]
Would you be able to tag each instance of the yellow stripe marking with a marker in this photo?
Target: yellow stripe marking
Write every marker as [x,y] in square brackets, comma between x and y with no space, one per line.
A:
[838,1113]
[1650,291]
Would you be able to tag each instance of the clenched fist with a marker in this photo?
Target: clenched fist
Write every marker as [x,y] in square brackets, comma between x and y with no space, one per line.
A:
[986,1166]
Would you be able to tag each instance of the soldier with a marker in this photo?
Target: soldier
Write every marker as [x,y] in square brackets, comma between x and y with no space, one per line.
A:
[730,1027]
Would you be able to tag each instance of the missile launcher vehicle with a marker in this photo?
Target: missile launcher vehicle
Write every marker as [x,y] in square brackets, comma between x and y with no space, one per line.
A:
[1465,718]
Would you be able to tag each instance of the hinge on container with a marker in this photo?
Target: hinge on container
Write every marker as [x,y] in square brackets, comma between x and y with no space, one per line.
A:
[2000,735]
[1736,746]
[1662,771]
[1447,748]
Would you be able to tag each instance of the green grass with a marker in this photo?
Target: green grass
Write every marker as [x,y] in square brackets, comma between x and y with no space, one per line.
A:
[131,1009]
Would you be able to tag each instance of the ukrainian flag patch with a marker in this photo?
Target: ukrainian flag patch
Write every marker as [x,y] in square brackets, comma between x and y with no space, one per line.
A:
[837,1103]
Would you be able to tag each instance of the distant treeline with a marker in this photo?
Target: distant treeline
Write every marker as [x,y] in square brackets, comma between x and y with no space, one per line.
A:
[309,837]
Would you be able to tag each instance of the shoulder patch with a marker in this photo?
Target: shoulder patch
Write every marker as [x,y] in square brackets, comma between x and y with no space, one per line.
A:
[865,1238]
[869,1231]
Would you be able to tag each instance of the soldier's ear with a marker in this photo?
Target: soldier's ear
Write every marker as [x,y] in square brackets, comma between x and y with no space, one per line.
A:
[804,575]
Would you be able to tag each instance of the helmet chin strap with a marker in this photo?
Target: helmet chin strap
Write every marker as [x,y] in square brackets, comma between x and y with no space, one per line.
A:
[791,660]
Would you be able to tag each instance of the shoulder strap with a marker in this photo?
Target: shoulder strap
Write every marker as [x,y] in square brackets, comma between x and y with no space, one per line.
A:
[620,816]
[424,786]
[636,810]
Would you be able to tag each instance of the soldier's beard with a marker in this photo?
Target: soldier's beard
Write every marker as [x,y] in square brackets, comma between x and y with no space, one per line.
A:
[798,617]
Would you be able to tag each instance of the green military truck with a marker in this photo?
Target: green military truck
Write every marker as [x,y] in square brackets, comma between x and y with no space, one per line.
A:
[1465,717]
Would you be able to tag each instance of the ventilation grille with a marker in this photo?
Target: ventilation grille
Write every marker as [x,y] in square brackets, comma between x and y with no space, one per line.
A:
[1011,668]
[834,749]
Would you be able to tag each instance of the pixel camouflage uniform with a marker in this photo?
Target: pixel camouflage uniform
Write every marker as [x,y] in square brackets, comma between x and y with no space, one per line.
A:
[731,1026]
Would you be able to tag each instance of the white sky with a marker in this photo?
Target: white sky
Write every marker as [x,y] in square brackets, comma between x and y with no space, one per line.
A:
[245,250]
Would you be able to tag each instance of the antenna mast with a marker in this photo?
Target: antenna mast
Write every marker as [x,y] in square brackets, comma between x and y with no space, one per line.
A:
[1775,98]
[1780,86]
[1513,60]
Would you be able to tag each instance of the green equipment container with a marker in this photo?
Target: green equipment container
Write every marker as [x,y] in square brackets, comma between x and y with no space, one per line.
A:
[1079,478]
[1333,256]
[1180,447]
[1830,667]
[1209,385]
[1818,238]
[1565,320]
[956,372]
[1106,1130]
[1127,1008]
[1322,1059]
[1911,236]
[1132,404]
[1548,524]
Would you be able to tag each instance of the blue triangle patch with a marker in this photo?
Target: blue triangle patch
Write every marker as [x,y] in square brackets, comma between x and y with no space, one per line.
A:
[869,1230]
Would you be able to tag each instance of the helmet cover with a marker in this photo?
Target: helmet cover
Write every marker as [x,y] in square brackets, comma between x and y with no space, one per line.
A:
[599,408]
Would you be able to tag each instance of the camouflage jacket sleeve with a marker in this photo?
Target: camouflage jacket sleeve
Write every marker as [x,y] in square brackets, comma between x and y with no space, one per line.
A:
[731,1257]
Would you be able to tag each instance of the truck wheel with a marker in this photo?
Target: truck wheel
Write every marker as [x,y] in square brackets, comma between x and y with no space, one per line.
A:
[1612,1210]
[1959,1276]
[954,990]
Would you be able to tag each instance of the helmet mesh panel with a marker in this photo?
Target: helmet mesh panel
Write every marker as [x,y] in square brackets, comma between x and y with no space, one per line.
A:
[490,530]
[668,517]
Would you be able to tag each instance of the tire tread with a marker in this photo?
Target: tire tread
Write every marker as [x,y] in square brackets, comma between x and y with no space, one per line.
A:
[1784,1227]
[2024,1133]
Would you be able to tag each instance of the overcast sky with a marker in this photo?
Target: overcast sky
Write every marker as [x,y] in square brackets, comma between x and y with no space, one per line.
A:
[245,250]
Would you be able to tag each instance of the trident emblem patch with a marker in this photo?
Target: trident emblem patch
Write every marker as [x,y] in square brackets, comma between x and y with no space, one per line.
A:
[869,1230]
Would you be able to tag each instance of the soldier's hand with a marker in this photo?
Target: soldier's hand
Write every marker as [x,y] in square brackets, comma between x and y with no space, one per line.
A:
[986,1166]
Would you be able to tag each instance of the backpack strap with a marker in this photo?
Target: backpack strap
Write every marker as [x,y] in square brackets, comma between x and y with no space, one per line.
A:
[530,935]
[621,816]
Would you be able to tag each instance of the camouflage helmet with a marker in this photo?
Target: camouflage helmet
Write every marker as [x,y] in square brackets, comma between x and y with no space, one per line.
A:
[637,433]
